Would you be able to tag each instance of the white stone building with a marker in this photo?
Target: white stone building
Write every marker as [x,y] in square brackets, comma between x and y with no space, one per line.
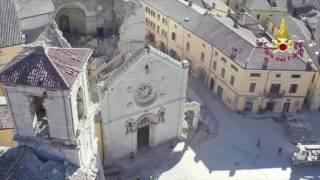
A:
[34,13]
[143,103]
[48,95]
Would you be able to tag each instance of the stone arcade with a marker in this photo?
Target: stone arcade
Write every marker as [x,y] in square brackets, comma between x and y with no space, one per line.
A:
[143,102]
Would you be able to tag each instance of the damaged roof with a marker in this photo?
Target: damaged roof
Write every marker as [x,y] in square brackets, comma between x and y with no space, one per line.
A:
[55,68]
[10,29]
[30,8]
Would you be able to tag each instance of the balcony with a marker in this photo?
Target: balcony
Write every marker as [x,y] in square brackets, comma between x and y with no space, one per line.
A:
[274,95]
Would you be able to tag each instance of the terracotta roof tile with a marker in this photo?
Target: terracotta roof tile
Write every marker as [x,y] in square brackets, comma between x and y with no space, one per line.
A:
[10,29]
[57,68]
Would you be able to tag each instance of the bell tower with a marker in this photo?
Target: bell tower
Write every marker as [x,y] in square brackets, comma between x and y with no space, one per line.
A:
[47,92]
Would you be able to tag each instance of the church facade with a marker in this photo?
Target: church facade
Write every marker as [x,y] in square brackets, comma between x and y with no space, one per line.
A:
[143,103]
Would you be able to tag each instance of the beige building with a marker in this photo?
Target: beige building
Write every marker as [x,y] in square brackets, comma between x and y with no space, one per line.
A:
[228,57]
[11,37]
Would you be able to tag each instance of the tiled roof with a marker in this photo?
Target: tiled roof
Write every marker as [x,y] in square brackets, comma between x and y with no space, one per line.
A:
[10,30]
[57,68]
[297,29]
[221,33]
[313,50]
[29,8]
[263,5]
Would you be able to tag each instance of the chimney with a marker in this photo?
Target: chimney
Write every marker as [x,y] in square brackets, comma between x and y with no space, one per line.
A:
[265,63]
[259,42]
[308,66]
[213,5]
[189,3]
[236,24]
[234,52]
[229,12]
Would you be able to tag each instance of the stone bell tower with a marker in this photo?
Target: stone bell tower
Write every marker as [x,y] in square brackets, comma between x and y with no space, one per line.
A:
[47,92]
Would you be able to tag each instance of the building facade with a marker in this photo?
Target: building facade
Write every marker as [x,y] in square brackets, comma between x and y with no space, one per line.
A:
[227,57]
[143,104]
[50,104]
[12,39]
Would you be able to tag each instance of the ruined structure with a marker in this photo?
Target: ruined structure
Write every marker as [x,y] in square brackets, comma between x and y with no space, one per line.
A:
[142,103]
[47,92]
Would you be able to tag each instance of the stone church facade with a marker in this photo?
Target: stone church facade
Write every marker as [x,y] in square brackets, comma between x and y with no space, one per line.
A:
[143,104]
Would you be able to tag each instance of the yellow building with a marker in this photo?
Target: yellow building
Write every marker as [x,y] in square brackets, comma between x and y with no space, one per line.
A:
[11,37]
[6,125]
[11,43]
[228,57]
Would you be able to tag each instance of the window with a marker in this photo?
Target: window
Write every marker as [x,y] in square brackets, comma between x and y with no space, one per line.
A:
[147,21]
[293,88]
[223,72]
[252,87]
[164,21]
[158,29]
[214,65]
[147,9]
[175,26]
[258,16]
[224,60]
[164,33]
[173,36]
[295,76]
[189,35]
[159,17]
[234,67]
[153,25]
[153,13]
[188,46]
[216,53]
[232,80]
[313,77]
[255,75]
[275,88]
[203,45]
[278,75]
[202,57]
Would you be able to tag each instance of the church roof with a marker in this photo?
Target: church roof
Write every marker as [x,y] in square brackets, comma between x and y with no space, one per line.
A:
[55,68]
[30,8]
[10,29]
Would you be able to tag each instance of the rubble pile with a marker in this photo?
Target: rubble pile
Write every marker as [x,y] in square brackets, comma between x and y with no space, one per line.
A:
[22,163]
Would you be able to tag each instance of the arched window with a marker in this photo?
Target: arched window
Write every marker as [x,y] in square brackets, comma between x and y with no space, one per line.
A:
[80,104]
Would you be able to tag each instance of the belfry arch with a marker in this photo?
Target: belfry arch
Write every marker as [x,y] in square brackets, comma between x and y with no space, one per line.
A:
[72,18]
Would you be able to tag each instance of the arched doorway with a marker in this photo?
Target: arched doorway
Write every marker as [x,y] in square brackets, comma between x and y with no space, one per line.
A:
[71,18]
[143,133]
[202,75]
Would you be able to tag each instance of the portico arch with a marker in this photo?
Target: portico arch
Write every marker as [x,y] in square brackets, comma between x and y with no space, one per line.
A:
[202,75]
[72,18]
